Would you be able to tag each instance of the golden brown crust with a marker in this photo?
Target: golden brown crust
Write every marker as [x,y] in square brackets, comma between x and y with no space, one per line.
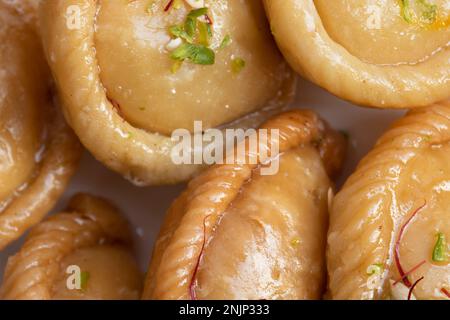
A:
[299,30]
[374,203]
[209,195]
[142,157]
[56,160]
[88,222]
[28,206]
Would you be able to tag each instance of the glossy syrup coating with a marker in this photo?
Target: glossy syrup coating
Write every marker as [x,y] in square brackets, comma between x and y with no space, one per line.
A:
[38,151]
[121,95]
[373,53]
[375,45]
[402,184]
[90,235]
[131,50]
[238,234]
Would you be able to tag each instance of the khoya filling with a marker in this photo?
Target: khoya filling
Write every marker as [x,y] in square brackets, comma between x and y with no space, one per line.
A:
[388,32]
[168,63]
[420,252]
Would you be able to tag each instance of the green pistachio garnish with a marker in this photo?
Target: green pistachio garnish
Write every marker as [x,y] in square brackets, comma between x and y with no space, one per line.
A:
[376,268]
[191,41]
[440,249]
[178,31]
[237,64]
[204,33]
[198,54]
[196,36]
[84,278]
[190,25]
[420,12]
[225,42]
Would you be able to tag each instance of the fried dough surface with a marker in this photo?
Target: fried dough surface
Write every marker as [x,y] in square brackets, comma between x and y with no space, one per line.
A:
[92,236]
[238,234]
[38,151]
[383,54]
[121,97]
[386,220]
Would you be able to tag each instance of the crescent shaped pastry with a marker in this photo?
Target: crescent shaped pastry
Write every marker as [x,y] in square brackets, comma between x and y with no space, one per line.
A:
[90,238]
[131,73]
[389,224]
[38,151]
[238,234]
[385,54]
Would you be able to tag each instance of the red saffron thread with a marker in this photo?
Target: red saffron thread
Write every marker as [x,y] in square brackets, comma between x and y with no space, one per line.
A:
[208,19]
[413,286]
[193,283]
[168,5]
[410,271]
[401,271]
[445,291]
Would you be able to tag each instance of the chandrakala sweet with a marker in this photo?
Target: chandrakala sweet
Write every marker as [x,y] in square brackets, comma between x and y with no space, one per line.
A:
[377,53]
[38,151]
[389,224]
[130,73]
[83,253]
[238,233]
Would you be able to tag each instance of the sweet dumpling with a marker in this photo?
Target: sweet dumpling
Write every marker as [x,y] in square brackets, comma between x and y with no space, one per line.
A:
[130,73]
[390,224]
[38,151]
[378,53]
[82,253]
[236,233]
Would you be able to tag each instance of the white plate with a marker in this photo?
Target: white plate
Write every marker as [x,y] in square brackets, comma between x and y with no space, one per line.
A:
[145,207]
